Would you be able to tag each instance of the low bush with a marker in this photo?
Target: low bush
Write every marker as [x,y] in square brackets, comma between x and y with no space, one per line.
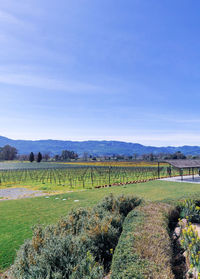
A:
[78,246]
[190,241]
[191,244]
[58,258]
[144,249]
[190,210]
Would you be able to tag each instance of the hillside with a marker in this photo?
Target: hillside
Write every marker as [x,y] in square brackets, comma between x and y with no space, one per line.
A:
[93,147]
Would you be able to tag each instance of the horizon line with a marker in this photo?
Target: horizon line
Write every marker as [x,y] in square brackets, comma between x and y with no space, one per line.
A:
[98,140]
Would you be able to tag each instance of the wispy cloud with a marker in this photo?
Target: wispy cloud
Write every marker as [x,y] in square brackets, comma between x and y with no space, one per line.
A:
[8,18]
[158,139]
[10,22]
[188,121]
[181,120]
[174,118]
[48,83]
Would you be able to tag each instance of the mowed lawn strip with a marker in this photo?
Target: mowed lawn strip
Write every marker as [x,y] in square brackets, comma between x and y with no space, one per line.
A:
[18,216]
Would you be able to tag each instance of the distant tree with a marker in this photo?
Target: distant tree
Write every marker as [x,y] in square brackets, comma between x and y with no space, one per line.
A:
[1,153]
[144,157]
[179,155]
[31,157]
[68,155]
[46,156]
[135,155]
[23,157]
[85,156]
[57,158]
[176,155]
[119,157]
[8,152]
[151,157]
[39,157]
[194,157]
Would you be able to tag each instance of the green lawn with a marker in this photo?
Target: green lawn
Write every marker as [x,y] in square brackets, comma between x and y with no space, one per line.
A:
[17,217]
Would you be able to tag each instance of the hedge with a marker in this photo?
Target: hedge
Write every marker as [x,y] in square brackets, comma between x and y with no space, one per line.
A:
[144,249]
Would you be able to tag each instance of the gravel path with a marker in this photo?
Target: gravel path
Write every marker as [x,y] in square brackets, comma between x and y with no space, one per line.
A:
[18,193]
[187,179]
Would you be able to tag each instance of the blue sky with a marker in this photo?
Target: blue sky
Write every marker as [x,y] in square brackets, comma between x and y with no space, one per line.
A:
[110,69]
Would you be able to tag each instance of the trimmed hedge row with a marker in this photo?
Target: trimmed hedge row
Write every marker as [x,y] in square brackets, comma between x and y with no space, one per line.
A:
[126,263]
[144,249]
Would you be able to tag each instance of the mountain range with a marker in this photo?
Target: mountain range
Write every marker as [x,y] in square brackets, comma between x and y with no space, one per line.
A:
[93,147]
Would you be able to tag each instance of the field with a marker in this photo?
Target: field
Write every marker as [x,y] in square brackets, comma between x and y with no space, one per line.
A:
[61,177]
[18,216]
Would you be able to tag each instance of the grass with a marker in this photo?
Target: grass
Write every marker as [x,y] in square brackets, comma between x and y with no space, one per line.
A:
[18,216]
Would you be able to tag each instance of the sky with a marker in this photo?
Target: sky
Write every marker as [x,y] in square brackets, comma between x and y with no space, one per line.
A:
[101,70]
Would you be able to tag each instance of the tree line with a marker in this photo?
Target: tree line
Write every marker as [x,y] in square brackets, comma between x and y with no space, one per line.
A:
[10,153]
[38,158]
[66,155]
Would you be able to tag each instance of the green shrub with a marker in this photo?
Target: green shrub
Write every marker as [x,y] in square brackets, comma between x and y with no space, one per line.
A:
[78,246]
[144,248]
[126,263]
[190,242]
[122,204]
[74,223]
[190,210]
[88,269]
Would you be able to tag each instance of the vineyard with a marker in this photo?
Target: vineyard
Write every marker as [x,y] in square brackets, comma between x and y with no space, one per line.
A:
[65,176]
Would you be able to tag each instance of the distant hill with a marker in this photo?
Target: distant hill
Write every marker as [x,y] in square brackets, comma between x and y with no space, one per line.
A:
[93,147]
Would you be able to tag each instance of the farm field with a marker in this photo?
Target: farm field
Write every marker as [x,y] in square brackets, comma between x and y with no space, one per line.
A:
[62,177]
[18,216]
[27,164]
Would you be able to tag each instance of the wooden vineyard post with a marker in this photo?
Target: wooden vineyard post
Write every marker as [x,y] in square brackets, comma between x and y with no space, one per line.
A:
[193,173]
[158,170]
[181,173]
[109,175]
[92,177]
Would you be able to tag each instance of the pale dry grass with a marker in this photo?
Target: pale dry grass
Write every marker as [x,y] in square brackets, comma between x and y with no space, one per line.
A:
[118,164]
[152,241]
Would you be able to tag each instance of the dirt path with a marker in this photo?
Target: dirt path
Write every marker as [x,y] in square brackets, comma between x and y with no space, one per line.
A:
[18,193]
